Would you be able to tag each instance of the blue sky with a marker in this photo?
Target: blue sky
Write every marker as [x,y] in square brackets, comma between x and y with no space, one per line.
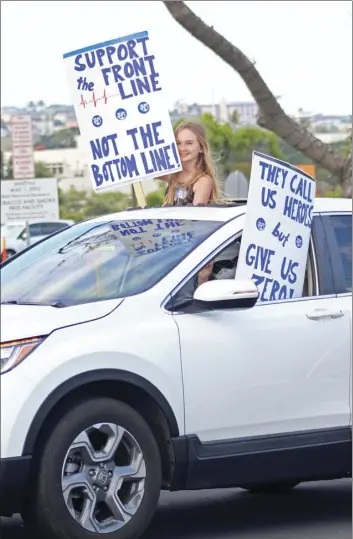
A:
[302,49]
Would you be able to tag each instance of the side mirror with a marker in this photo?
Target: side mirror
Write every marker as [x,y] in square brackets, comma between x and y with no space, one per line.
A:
[227,294]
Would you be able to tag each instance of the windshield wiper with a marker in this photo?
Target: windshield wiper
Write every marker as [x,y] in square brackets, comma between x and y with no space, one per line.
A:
[57,304]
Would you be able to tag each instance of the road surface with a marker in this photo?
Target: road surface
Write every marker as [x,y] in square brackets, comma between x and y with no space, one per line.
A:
[311,511]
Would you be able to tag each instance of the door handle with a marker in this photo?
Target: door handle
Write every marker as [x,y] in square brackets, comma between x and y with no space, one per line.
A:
[320,314]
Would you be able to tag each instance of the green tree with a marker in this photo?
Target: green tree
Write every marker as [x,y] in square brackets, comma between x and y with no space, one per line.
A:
[72,204]
[245,168]
[78,205]
[235,117]
[105,203]
[64,138]
[42,171]
[248,139]
[337,192]
[156,198]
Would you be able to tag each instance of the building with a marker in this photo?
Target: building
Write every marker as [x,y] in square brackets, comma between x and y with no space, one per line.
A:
[45,120]
[325,124]
[322,123]
[245,112]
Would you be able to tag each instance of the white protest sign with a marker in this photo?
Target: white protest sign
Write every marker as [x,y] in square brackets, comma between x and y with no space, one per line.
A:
[145,236]
[26,200]
[22,147]
[118,98]
[275,242]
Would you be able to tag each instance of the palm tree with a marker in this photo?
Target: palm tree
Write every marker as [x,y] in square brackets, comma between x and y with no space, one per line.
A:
[271,114]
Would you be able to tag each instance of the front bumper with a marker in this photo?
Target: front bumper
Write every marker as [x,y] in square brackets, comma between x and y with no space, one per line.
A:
[14,482]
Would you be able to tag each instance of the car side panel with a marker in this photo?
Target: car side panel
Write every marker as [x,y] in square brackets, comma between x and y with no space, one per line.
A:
[138,337]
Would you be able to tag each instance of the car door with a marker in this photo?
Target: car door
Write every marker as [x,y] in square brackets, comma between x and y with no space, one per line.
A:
[338,230]
[279,367]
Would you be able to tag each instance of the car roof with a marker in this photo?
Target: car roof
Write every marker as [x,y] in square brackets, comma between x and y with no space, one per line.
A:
[212,212]
[323,205]
[35,221]
[215,212]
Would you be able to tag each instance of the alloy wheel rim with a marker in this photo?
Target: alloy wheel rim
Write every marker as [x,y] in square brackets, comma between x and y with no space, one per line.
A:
[103,478]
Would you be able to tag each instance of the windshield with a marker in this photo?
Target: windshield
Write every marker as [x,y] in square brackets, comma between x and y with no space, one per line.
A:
[100,261]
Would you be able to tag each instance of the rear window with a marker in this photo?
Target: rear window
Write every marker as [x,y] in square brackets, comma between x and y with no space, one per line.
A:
[100,261]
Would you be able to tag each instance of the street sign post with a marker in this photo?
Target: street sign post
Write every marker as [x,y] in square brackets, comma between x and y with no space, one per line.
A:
[27,200]
[22,147]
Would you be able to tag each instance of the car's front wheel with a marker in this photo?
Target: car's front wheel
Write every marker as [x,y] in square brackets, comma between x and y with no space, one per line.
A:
[99,475]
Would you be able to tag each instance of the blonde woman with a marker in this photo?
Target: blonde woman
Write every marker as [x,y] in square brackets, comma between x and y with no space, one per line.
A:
[196,183]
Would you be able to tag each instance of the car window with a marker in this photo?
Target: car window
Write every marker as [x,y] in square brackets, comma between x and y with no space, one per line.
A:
[341,227]
[36,229]
[100,261]
[50,228]
[223,266]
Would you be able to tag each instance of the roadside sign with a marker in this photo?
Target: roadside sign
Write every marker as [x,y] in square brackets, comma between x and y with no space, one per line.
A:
[26,200]
[22,147]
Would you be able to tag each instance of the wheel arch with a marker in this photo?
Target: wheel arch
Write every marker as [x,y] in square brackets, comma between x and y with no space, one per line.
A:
[77,386]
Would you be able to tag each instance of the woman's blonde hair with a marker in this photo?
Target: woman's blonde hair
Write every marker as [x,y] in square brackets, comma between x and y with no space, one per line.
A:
[205,166]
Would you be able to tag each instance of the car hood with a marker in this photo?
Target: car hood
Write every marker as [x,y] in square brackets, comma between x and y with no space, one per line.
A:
[24,321]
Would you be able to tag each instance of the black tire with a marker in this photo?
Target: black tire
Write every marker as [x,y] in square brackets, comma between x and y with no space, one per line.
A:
[272,488]
[10,253]
[49,514]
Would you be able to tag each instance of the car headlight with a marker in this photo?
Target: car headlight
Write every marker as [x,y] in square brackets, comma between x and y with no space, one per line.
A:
[13,352]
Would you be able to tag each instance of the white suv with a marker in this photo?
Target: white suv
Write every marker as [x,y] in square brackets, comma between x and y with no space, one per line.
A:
[122,377]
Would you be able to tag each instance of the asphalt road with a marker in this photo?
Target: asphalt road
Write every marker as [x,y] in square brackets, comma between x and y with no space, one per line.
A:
[311,511]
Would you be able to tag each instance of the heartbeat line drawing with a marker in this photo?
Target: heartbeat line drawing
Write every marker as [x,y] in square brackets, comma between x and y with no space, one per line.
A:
[95,99]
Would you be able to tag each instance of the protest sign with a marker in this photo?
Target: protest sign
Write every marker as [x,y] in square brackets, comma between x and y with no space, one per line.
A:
[275,241]
[117,93]
[145,236]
